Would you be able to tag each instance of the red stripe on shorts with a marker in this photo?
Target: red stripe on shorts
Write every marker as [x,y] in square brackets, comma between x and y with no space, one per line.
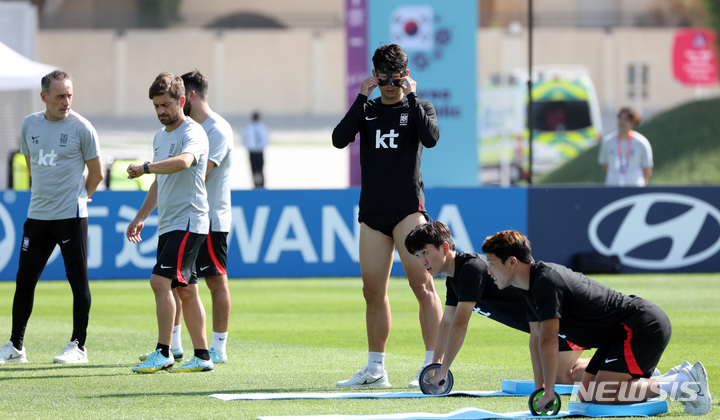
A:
[180,277]
[629,356]
[419,204]
[214,259]
[574,346]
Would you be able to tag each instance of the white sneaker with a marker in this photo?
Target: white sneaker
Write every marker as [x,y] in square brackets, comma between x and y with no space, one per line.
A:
[415,383]
[72,354]
[362,378]
[703,400]
[675,370]
[9,354]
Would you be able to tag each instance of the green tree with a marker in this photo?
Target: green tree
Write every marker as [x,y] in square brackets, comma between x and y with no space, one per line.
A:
[158,13]
[713,10]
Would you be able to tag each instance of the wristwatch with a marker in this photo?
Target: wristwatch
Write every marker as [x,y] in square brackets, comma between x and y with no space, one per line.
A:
[146,168]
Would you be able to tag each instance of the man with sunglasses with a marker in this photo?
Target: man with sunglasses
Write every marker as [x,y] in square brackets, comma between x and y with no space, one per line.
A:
[393,130]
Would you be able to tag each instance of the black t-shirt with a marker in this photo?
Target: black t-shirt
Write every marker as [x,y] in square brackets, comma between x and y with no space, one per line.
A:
[391,140]
[590,313]
[472,283]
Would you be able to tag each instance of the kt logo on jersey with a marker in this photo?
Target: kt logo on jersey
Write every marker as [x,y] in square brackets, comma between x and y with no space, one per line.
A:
[380,140]
[46,159]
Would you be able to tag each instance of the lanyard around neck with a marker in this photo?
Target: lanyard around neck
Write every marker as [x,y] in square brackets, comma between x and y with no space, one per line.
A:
[624,163]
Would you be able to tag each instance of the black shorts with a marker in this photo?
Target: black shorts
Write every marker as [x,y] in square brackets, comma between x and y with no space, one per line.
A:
[386,222]
[565,345]
[176,255]
[637,346]
[212,258]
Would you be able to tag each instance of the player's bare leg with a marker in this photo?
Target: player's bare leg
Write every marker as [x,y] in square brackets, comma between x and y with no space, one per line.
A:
[421,282]
[164,307]
[194,315]
[614,388]
[422,285]
[221,305]
[178,308]
[176,346]
[376,257]
[570,367]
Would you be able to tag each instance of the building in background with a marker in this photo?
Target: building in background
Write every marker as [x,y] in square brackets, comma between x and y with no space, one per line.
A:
[625,45]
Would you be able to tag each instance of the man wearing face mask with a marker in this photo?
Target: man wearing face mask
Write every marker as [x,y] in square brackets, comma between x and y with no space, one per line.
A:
[393,130]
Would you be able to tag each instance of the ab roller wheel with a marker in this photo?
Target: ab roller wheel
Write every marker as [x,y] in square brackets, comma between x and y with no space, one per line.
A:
[553,405]
[427,374]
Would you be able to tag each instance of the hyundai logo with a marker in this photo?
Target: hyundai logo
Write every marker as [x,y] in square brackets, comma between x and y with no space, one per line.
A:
[7,244]
[634,230]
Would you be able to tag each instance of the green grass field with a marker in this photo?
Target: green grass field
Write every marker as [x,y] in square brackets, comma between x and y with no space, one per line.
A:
[297,336]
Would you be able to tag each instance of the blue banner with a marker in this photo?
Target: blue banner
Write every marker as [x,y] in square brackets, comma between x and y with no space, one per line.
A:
[439,37]
[650,229]
[301,233]
[307,233]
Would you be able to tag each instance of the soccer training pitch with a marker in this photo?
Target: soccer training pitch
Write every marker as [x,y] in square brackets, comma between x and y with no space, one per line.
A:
[298,336]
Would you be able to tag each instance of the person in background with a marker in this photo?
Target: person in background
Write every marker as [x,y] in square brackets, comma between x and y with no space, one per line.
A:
[256,139]
[625,154]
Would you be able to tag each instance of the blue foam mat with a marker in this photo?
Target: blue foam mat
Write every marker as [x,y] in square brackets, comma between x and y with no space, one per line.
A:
[510,388]
[528,387]
[645,409]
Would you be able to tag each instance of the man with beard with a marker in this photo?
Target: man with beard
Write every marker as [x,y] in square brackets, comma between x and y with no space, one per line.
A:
[180,162]
[212,260]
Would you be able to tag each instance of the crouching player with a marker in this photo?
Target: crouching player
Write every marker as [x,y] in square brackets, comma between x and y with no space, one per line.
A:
[471,289]
[629,332]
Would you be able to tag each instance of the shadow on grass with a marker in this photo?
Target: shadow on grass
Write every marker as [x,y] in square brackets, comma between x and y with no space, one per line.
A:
[208,393]
[27,367]
[61,367]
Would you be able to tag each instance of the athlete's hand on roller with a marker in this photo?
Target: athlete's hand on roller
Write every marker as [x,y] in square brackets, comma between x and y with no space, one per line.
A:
[368,85]
[543,403]
[134,229]
[409,85]
[438,379]
[546,402]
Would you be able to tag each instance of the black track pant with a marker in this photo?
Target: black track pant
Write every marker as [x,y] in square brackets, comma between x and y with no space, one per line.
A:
[257,161]
[39,240]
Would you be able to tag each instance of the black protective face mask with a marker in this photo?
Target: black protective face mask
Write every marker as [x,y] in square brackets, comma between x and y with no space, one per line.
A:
[389,80]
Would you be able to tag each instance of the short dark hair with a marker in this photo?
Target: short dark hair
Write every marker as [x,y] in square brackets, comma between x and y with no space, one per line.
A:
[54,75]
[167,83]
[632,114]
[509,243]
[390,57]
[434,232]
[194,80]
